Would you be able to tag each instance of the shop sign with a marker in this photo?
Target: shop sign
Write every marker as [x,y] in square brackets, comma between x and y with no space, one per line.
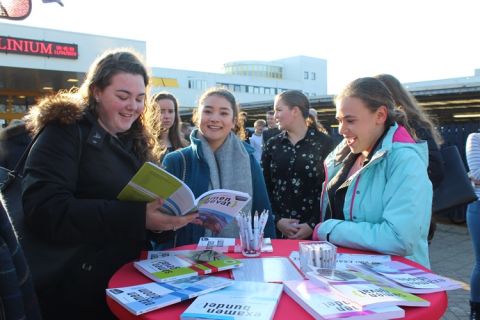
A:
[38,48]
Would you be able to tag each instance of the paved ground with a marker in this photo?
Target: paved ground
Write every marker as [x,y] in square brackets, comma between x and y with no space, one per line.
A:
[451,255]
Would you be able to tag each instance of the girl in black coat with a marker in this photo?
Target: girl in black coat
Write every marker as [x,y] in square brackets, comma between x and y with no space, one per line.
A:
[90,145]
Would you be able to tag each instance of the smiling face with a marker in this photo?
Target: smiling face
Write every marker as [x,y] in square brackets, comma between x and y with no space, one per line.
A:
[216,120]
[167,113]
[121,102]
[359,125]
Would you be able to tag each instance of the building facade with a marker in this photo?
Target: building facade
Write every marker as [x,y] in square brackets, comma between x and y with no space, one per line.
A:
[37,61]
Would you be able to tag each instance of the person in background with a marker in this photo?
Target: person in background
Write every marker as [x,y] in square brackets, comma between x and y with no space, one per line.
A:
[166,122]
[292,164]
[17,294]
[422,128]
[186,130]
[216,159]
[14,139]
[240,127]
[90,145]
[256,140]
[272,128]
[377,195]
[313,114]
[473,221]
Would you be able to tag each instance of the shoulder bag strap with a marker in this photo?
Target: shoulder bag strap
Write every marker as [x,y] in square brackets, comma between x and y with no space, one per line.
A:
[18,170]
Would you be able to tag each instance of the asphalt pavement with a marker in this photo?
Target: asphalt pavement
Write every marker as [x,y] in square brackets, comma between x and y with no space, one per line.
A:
[451,255]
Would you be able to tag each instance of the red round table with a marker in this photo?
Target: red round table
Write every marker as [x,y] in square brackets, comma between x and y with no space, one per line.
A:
[287,308]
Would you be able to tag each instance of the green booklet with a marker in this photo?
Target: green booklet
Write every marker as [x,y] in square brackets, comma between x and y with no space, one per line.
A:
[184,264]
[216,208]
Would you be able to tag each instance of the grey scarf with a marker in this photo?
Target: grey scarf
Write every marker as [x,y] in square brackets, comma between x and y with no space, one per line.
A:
[229,169]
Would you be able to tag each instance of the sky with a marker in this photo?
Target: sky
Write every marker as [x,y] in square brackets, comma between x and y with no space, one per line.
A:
[414,40]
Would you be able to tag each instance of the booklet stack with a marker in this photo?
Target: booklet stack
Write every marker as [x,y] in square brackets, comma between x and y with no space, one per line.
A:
[184,264]
[147,297]
[407,278]
[323,303]
[241,301]
[363,292]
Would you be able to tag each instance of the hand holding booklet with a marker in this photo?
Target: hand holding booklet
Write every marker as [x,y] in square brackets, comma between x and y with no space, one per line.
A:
[216,208]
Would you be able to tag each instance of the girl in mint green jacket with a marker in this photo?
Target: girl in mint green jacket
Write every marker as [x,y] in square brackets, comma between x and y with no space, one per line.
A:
[377,195]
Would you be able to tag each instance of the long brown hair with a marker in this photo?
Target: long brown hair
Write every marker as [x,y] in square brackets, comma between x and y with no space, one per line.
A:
[100,75]
[154,115]
[405,101]
[375,94]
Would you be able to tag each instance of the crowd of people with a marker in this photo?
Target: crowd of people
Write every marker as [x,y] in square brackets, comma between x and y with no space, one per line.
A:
[372,191]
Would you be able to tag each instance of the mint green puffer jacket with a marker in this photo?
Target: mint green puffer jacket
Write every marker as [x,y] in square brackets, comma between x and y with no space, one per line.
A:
[388,202]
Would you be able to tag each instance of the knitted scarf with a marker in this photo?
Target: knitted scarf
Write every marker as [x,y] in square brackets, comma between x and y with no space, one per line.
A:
[229,169]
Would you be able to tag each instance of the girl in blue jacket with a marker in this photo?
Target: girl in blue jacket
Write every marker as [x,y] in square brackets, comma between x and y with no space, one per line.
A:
[377,195]
[218,159]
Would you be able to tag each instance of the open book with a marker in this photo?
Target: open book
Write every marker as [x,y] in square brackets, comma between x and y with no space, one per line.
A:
[216,208]
[151,296]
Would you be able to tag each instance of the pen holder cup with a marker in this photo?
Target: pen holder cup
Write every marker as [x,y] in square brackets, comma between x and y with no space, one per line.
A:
[252,245]
[317,254]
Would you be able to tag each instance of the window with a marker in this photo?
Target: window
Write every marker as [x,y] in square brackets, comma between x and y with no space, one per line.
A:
[313,75]
[305,75]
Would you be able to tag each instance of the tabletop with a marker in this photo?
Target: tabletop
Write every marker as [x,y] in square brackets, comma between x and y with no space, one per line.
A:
[127,275]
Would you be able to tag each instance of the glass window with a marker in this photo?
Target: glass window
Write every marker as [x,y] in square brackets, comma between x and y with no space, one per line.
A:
[313,75]
[305,75]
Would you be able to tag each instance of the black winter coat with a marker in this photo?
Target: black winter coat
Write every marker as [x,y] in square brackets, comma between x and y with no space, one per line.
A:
[72,177]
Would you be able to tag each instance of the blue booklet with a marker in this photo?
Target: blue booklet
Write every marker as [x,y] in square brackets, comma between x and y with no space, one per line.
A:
[147,297]
[241,301]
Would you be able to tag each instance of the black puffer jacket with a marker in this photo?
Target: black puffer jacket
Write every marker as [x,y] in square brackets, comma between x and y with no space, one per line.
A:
[72,177]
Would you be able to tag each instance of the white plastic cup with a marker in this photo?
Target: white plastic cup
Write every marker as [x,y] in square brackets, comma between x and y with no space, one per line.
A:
[251,246]
[317,254]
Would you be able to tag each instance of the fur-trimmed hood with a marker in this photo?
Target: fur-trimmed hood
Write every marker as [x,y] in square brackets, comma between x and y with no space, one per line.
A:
[65,108]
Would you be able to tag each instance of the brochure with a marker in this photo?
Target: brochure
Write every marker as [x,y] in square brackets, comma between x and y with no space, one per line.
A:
[184,265]
[408,278]
[151,296]
[216,208]
[366,294]
[241,301]
[229,244]
[322,303]
[344,260]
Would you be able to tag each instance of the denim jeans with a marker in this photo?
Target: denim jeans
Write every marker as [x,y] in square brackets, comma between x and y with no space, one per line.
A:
[473,222]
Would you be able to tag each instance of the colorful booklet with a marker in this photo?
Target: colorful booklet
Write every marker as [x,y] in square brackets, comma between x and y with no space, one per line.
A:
[189,263]
[363,292]
[344,260]
[407,278]
[147,297]
[216,208]
[241,301]
[229,244]
[322,303]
